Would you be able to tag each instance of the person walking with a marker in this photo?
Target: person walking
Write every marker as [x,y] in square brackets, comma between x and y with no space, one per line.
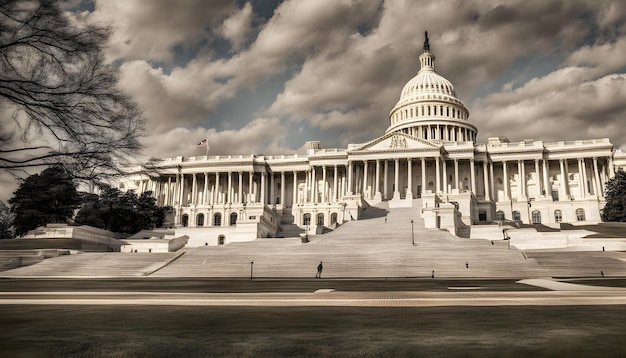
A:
[320,267]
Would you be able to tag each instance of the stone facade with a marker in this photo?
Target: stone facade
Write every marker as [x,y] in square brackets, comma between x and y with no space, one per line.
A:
[428,158]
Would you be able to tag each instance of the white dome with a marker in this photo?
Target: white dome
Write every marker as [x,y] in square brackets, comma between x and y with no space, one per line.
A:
[424,83]
[428,107]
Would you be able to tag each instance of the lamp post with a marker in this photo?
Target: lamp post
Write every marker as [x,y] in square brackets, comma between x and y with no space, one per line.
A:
[412,233]
[251,267]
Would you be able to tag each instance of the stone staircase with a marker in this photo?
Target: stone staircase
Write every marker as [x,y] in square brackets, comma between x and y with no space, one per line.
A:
[287,228]
[379,244]
[102,264]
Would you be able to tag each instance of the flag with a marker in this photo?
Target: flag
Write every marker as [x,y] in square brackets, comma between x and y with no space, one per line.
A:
[202,144]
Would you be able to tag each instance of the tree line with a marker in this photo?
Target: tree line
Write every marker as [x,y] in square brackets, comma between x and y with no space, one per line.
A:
[52,197]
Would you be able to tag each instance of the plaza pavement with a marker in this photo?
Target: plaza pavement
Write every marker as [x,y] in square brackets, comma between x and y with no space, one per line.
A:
[557,294]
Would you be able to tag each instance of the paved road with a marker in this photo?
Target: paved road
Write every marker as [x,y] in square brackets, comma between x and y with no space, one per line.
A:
[326,298]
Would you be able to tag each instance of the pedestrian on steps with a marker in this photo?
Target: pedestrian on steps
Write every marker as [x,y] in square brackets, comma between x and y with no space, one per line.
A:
[320,267]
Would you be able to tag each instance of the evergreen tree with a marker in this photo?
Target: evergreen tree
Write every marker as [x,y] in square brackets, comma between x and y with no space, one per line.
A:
[119,211]
[615,196]
[48,197]
[7,218]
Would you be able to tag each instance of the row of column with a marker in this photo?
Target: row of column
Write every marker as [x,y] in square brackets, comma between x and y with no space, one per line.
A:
[544,187]
[354,178]
[177,192]
[441,132]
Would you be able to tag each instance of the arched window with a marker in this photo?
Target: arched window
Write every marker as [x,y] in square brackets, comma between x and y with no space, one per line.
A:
[200,220]
[233,219]
[185,220]
[500,215]
[306,219]
[320,219]
[333,218]
[536,217]
[558,216]
[580,214]
[516,216]
[217,219]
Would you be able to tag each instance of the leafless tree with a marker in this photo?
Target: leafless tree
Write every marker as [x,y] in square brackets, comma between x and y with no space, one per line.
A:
[57,88]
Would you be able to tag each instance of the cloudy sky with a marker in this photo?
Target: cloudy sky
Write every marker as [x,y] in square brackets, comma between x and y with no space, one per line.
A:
[264,76]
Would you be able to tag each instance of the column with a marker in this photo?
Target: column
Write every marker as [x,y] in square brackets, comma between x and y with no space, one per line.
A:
[307,185]
[567,191]
[472,177]
[409,192]
[585,186]
[456,174]
[272,189]
[294,199]
[546,178]
[206,188]
[597,176]
[182,189]
[492,183]
[194,189]
[250,177]
[349,189]
[505,180]
[445,175]
[282,189]
[611,167]
[438,174]
[167,192]
[263,200]
[562,191]
[486,181]
[230,188]
[385,181]
[581,181]
[217,188]
[524,185]
[314,186]
[537,178]
[324,184]
[396,193]
[335,176]
[365,178]
[240,188]
[520,180]
[377,178]
[423,163]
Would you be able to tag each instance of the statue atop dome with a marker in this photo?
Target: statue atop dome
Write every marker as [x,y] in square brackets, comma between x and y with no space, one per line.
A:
[426,44]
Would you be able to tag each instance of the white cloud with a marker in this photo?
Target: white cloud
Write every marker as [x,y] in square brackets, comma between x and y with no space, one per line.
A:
[558,106]
[238,26]
[605,57]
[351,58]
[260,136]
[150,29]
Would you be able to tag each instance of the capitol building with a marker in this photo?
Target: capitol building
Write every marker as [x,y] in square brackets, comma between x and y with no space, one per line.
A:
[427,159]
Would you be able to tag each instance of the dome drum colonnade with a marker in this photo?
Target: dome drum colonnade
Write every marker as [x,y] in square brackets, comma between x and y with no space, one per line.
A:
[428,151]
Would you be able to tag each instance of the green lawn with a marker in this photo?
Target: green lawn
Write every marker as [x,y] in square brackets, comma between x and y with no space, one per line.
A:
[171,331]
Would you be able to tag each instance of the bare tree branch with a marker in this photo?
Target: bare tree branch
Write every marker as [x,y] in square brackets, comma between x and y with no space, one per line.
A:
[53,74]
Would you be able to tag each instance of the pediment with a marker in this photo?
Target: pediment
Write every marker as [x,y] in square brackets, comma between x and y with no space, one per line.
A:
[396,142]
